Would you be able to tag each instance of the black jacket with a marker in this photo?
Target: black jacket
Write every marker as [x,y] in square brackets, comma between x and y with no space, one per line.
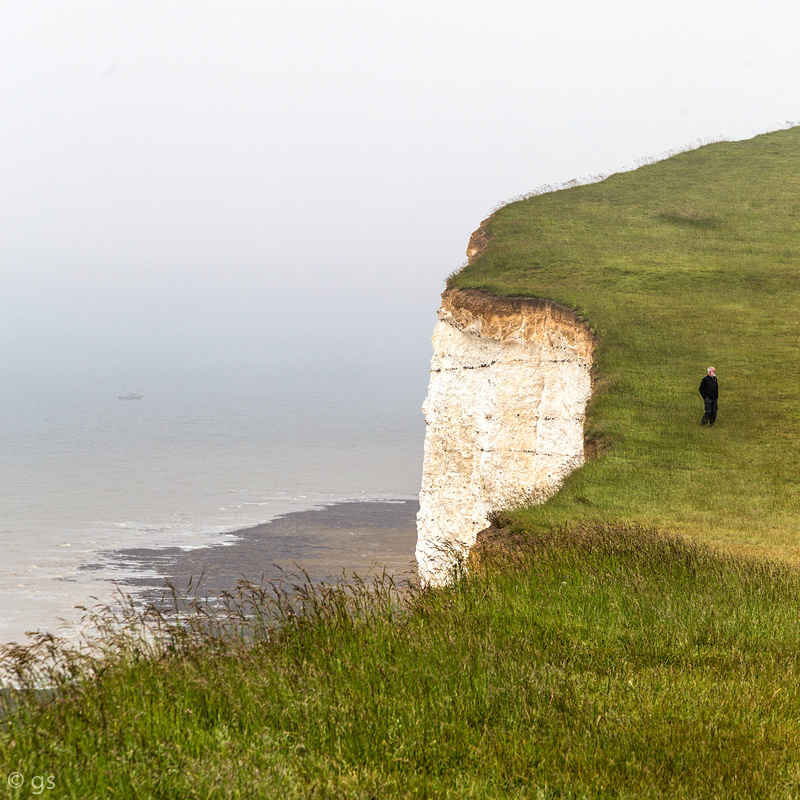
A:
[709,388]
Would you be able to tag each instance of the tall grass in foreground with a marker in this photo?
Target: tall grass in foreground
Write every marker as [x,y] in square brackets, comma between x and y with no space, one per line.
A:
[591,661]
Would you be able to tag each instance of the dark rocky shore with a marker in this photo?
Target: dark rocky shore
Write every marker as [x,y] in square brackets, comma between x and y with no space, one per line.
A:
[352,537]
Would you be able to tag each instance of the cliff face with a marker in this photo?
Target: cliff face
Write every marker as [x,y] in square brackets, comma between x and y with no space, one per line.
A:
[510,380]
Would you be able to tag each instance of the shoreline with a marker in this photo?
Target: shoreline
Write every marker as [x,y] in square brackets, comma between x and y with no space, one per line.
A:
[352,537]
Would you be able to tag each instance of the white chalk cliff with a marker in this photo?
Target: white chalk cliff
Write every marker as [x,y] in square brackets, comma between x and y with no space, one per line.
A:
[510,380]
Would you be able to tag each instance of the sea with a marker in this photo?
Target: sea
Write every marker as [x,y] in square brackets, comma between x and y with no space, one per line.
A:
[84,474]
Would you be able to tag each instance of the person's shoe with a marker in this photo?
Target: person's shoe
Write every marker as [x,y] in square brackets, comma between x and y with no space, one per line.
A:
[704,421]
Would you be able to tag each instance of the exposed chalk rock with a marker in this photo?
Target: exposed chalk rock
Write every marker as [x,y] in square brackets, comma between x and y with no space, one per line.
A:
[510,380]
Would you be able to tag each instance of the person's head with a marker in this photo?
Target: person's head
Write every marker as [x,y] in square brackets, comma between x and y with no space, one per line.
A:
[712,372]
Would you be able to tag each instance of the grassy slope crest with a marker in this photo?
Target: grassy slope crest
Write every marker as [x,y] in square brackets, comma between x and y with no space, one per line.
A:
[678,265]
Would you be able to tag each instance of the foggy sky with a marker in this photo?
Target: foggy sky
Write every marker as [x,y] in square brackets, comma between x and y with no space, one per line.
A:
[200,184]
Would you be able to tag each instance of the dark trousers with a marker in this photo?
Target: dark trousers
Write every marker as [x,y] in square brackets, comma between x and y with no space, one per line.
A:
[710,416]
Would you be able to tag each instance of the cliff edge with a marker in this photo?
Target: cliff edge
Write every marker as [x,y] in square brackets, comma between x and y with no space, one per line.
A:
[510,380]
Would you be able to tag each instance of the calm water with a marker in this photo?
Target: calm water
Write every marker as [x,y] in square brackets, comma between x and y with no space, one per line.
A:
[82,472]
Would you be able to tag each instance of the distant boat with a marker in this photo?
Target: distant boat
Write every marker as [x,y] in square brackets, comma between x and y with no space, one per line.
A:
[131,396]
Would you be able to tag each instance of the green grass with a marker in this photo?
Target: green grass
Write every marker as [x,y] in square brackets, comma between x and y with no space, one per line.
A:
[597,662]
[689,262]
[605,650]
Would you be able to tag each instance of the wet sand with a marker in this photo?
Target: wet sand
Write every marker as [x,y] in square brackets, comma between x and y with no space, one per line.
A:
[354,537]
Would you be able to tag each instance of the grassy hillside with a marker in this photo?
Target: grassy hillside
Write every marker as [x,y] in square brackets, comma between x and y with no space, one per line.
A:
[686,263]
[596,654]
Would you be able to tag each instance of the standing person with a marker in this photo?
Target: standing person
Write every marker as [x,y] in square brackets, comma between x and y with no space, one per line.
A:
[709,391]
